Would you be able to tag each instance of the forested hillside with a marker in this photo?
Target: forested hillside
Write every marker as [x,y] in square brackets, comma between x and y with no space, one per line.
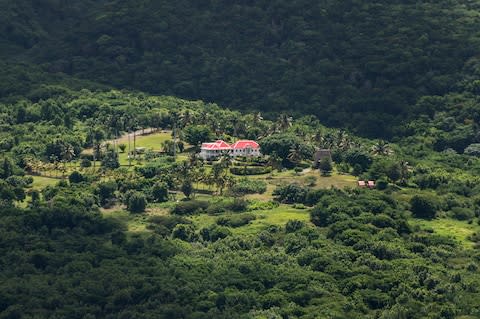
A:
[356,193]
[355,64]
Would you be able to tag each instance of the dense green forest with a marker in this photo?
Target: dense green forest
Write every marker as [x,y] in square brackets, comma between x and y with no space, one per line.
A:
[356,64]
[108,211]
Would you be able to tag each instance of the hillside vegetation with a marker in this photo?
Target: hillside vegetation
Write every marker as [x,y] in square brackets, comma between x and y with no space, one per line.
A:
[356,64]
[107,211]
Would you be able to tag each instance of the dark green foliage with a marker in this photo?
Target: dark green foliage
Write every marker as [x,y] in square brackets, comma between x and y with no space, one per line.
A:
[461,213]
[75,177]
[293,225]
[106,192]
[214,233]
[187,188]
[159,192]
[249,186]
[423,206]
[136,202]
[282,145]
[197,134]
[110,160]
[85,162]
[290,194]
[248,170]
[325,166]
[190,207]
[184,232]
[236,220]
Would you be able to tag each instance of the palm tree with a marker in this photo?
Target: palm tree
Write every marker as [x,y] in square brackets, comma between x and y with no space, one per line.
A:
[382,148]
[296,154]
[274,161]
[405,170]
[283,122]
[68,153]
[175,120]
[226,160]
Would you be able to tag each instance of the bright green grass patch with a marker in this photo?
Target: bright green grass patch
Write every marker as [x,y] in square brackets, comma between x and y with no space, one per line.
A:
[456,229]
[278,216]
[40,182]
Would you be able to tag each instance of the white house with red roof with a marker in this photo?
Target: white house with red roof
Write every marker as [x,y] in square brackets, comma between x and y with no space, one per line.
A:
[239,148]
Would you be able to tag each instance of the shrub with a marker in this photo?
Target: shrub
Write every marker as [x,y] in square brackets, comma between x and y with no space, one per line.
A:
[423,206]
[311,181]
[248,186]
[75,178]
[190,207]
[159,192]
[461,213]
[163,225]
[290,194]
[294,225]
[248,170]
[214,233]
[110,160]
[260,205]
[106,191]
[325,166]
[136,202]
[237,205]
[187,188]
[85,162]
[236,220]
[184,232]
[381,184]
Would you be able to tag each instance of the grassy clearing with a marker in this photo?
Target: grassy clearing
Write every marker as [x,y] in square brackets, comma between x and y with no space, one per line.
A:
[40,182]
[287,177]
[278,216]
[456,229]
[135,223]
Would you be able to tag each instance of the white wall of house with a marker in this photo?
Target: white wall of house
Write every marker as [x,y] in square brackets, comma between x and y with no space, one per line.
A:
[208,154]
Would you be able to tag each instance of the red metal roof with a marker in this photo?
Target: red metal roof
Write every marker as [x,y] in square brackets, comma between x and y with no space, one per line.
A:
[222,145]
[242,144]
[217,145]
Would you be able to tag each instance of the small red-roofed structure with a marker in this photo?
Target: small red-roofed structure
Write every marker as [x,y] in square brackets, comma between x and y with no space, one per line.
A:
[371,184]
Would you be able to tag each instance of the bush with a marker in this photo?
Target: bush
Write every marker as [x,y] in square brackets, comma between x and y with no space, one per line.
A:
[237,205]
[85,162]
[236,220]
[290,194]
[423,206]
[461,213]
[163,225]
[184,232]
[294,225]
[75,178]
[325,166]
[214,233]
[248,186]
[381,184]
[260,205]
[159,192]
[248,170]
[190,207]
[136,202]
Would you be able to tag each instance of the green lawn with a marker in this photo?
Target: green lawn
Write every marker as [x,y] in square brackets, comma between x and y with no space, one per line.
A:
[456,229]
[40,182]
